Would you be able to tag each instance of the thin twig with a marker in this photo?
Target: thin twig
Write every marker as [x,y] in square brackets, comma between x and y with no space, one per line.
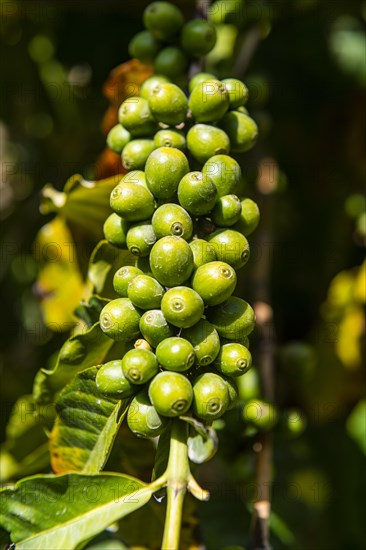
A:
[266,351]
[247,50]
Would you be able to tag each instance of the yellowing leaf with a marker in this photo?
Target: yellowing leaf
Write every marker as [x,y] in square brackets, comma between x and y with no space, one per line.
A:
[348,346]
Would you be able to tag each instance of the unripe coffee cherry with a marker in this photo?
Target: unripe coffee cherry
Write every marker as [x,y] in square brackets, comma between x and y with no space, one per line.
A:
[233,360]
[134,114]
[136,153]
[241,129]
[203,252]
[123,276]
[210,396]
[170,393]
[150,83]
[145,292]
[139,365]
[171,261]
[140,239]
[115,230]
[132,201]
[233,319]
[168,104]
[209,101]
[204,141]
[205,341]
[197,193]
[117,138]
[182,306]
[198,79]
[163,19]
[230,247]
[237,90]
[198,37]
[110,380]
[170,137]
[142,417]
[225,172]
[164,169]
[119,319]
[144,47]
[172,219]
[175,354]
[226,211]
[249,217]
[171,62]
[214,282]
[260,413]
[154,327]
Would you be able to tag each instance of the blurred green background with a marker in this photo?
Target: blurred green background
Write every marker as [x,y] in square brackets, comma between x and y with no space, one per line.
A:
[305,64]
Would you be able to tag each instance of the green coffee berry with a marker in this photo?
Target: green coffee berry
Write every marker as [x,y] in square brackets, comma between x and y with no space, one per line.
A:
[155,328]
[198,37]
[170,61]
[170,137]
[230,247]
[226,211]
[142,417]
[139,365]
[122,277]
[197,193]
[168,104]
[199,78]
[136,153]
[145,292]
[132,201]
[119,320]
[237,90]
[241,129]
[225,172]
[164,169]
[214,282]
[171,261]
[110,380]
[140,238]
[205,141]
[144,47]
[210,396]
[172,219]
[163,19]
[203,252]
[233,360]
[115,230]
[150,83]
[249,217]
[205,341]
[171,393]
[182,306]
[209,101]
[232,319]
[175,354]
[117,138]
[134,114]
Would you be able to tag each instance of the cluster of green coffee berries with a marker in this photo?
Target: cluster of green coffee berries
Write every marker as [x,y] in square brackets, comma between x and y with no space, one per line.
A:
[168,42]
[177,211]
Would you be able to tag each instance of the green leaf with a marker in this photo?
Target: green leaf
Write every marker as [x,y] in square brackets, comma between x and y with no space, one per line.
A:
[78,353]
[89,311]
[202,442]
[25,450]
[60,512]
[106,541]
[86,425]
[104,262]
[356,425]
[83,203]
